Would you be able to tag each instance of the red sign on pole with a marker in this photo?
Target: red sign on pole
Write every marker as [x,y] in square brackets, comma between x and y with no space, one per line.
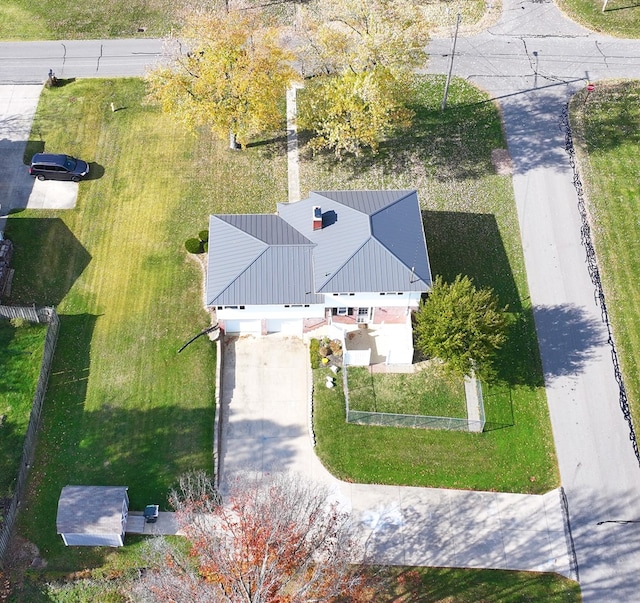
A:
[590,87]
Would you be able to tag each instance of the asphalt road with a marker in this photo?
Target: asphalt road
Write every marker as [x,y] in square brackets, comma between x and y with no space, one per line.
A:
[29,62]
[530,61]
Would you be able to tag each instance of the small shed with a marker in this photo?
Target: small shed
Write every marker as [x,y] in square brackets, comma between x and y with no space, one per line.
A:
[93,515]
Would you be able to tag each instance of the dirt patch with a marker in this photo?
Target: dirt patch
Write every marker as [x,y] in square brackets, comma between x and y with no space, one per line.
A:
[502,162]
[22,555]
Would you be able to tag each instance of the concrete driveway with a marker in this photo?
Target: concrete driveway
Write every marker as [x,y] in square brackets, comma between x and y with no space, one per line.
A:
[265,396]
[18,189]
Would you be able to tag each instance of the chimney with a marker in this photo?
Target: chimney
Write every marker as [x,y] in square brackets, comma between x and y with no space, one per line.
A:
[317,217]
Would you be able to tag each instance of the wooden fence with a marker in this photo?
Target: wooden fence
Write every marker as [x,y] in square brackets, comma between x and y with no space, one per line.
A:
[42,315]
[29,313]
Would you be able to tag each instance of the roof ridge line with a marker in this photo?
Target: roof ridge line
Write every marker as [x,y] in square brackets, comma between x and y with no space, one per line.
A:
[409,192]
[239,274]
[341,266]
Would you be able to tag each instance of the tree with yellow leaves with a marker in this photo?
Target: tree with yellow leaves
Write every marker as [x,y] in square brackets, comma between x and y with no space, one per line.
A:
[361,55]
[232,78]
[353,110]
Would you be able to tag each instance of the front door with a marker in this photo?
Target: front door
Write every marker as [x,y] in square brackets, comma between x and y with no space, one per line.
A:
[364,315]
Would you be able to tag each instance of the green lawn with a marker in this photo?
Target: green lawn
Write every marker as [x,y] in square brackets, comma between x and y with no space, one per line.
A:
[20,360]
[471,228]
[123,408]
[607,136]
[67,20]
[71,20]
[621,18]
[430,391]
[448,585]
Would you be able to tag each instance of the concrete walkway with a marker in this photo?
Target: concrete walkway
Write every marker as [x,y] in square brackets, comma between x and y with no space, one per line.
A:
[293,165]
[532,61]
[166,525]
[265,428]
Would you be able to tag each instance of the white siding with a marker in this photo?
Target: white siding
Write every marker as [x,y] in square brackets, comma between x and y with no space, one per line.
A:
[246,327]
[357,357]
[287,326]
[271,312]
[373,300]
[93,539]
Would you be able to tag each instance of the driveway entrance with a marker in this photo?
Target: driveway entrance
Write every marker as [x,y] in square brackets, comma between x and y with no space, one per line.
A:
[17,188]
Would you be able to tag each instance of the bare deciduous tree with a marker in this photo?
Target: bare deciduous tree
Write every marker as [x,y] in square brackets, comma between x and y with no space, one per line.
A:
[278,539]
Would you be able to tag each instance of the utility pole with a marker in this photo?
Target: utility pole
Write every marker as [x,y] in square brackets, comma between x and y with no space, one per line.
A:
[453,52]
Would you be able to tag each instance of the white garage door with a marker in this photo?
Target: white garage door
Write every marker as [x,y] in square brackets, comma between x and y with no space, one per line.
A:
[245,327]
[286,326]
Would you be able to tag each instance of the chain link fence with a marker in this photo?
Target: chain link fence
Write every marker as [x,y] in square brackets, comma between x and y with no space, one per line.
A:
[386,419]
[594,273]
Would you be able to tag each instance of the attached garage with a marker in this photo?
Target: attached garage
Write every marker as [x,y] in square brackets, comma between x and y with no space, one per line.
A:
[93,515]
[243,327]
[287,326]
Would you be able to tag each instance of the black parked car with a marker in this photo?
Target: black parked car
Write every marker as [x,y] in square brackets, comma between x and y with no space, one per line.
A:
[47,166]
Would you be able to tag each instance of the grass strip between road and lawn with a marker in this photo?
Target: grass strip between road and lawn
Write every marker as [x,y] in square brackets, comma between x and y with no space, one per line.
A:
[72,20]
[606,130]
[621,18]
[22,347]
[471,228]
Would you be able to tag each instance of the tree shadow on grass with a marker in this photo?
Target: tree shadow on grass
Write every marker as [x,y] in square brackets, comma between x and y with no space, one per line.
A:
[456,143]
[60,433]
[470,244]
[498,406]
[117,440]
[48,259]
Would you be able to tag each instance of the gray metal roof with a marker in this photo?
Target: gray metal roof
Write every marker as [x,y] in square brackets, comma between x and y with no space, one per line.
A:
[371,241]
[258,259]
[91,510]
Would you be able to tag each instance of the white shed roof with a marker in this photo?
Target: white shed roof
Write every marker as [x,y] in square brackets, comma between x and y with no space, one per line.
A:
[91,509]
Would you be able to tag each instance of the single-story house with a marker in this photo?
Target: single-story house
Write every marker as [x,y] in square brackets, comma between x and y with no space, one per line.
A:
[342,258]
[93,515]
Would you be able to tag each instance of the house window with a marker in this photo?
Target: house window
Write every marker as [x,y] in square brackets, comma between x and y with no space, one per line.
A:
[342,311]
